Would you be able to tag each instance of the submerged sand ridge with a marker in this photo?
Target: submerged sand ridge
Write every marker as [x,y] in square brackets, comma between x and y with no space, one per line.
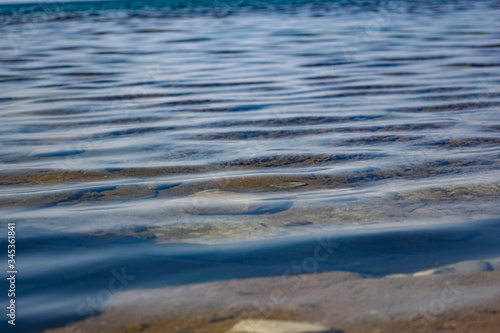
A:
[223,173]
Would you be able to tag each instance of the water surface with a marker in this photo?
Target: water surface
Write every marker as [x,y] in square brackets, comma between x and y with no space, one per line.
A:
[173,122]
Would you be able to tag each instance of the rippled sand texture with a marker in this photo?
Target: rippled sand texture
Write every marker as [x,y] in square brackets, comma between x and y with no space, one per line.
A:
[216,123]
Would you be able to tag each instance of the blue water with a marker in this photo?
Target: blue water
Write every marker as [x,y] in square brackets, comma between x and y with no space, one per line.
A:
[194,141]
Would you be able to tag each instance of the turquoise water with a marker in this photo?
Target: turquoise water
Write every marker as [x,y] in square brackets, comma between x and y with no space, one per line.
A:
[148,131]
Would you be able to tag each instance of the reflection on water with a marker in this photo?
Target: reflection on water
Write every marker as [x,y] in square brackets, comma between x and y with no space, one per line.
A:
[207,123]
[144,265]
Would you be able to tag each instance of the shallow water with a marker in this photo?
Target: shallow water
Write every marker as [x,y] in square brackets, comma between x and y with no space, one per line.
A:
[167,122]
[64,277]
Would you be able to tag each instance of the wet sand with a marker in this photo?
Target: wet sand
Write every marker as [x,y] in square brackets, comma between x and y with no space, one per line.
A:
[458,298]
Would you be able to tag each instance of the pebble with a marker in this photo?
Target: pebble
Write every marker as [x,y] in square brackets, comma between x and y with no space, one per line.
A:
[426,272]
[288,185]
[462,267]
[277,326]
[397,276]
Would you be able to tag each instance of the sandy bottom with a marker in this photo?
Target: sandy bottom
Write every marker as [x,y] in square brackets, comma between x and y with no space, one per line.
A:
[464,297]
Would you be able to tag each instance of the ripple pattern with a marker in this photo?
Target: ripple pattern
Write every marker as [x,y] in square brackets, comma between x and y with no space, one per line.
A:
[248,115]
